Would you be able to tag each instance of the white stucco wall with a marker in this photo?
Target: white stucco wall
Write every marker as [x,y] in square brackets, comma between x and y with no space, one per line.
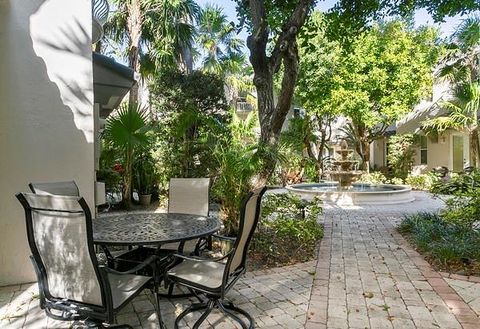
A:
[46,112]
[377,153]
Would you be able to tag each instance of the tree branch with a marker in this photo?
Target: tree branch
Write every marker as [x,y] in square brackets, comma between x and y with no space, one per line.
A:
[290,63]
[289,33]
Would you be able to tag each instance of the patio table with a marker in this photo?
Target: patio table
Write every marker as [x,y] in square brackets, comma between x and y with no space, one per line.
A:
[151,228]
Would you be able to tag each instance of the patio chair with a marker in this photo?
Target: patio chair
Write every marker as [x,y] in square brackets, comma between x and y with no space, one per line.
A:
[215,277]
[69,188]
[188,196]
[72,286]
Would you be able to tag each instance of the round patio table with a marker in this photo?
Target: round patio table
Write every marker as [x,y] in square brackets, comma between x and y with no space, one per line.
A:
[151,228]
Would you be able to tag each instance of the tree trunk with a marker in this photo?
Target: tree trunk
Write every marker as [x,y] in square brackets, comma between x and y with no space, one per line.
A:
[134,26]
[127,178]
[366,155]
[474,147]
[284,52]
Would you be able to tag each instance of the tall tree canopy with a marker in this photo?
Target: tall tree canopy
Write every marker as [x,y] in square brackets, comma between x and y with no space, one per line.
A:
[274,26]
[374,80]
[154,32]
[461,67]
[218,39]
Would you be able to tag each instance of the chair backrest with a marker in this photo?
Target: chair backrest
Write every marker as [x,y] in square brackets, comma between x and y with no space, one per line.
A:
[189,196]
[55,188]
[59,231]
[249,216]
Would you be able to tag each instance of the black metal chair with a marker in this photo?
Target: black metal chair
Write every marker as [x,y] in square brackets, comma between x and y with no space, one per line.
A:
[214,277]
[72,286]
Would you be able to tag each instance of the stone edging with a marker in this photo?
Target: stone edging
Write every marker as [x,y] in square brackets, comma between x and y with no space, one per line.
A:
[468,278]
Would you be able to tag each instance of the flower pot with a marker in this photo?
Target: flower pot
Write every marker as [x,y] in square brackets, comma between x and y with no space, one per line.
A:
[145,199]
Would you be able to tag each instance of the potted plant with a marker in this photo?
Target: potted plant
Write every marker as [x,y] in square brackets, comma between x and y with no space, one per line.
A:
[145,175]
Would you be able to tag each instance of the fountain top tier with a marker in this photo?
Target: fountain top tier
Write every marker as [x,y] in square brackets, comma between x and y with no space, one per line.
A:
[344,173]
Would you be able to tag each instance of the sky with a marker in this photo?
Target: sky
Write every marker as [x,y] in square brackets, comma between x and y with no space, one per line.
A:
[421,16]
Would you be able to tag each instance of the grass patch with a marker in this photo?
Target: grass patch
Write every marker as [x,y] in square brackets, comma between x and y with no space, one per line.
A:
[449,246]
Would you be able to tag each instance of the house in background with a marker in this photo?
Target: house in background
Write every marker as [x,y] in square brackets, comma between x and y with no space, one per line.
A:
[449,149]
[53,91]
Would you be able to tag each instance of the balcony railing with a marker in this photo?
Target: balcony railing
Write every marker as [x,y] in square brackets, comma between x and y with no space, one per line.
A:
[100,11]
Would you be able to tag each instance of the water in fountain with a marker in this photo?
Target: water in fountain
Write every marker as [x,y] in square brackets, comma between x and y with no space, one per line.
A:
[344,174]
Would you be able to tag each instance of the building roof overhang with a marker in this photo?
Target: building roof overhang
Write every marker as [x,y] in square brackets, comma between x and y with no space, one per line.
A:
[111,82]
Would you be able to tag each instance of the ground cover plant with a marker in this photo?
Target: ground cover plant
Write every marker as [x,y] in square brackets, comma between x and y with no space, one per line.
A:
[288,231]
[449,244]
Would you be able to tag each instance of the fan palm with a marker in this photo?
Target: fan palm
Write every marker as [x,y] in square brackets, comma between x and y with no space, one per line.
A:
[462,60]
[461,67]
[127,131]
[154,32]
[217,39]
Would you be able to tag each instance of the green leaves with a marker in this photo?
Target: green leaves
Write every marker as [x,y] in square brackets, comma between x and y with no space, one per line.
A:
[217,38]
[127,128]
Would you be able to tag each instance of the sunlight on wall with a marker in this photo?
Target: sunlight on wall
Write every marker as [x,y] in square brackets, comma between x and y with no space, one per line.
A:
[67,48]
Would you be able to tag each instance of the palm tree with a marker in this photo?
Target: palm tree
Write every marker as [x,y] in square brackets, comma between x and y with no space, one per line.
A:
[152,31]
[462,60]
[174,33]
[463,112]
[217,39]
[461,67]
[127,131]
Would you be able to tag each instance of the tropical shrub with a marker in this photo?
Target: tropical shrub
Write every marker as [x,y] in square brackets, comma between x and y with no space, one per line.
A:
[126,131]
[236,163]
[288,229]
[421,182]
[374,177]
[232,182]
[451,245]
[192,115]
[400,154]
[457,184]
[145,174]
[397,181]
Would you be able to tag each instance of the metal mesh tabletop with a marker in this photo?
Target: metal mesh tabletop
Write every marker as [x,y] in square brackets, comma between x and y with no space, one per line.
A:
[151,228]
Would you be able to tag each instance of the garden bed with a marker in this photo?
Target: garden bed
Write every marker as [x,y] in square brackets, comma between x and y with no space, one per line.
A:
[449,246]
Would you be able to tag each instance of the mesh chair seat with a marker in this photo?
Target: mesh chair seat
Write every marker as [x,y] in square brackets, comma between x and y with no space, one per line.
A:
[125,286]
[201,273]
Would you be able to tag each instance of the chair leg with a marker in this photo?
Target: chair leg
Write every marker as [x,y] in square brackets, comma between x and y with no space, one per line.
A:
[159,311]
[226,308]
[192,308]
[210,306]
[227,312]
[90,324]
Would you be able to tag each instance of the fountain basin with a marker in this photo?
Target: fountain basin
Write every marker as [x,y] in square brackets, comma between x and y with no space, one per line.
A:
[357,194]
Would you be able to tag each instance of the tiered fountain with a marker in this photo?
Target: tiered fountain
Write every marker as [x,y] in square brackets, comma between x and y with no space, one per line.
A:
[344,175]
[344,191]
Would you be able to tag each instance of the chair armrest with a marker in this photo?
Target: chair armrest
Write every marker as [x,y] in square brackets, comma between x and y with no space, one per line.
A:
[141,266]
[223,237]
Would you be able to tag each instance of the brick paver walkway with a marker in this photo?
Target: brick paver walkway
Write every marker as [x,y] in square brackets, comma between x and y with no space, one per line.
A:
[276,298]
[368,276]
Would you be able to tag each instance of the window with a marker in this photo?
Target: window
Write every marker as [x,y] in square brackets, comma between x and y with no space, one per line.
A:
[423,150]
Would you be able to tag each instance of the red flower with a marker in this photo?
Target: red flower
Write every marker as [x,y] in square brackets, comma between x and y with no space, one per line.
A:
[118,168]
